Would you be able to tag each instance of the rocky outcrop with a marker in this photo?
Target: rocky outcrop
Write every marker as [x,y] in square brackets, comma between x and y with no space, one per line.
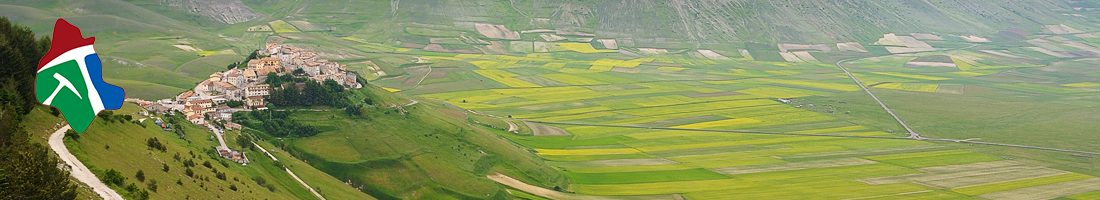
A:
[225,11]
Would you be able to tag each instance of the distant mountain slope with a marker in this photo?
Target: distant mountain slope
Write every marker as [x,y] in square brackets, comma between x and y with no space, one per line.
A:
[725,21]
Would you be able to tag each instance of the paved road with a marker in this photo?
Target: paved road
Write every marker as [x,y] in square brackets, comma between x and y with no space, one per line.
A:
[912,134]
[79,171]
[221,138]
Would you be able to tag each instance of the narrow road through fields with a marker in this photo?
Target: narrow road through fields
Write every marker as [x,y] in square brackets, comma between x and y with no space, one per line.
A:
[912,134]
[820,135]
[422,79]
[511,126]
[291,173]
[79,171]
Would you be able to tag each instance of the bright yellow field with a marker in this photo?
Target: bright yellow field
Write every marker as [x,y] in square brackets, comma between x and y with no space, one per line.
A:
[583,48]
[572,152]
[602,68]
[675,69]
[571,79]
[282,27]
[834,130]
[391,89]
[207,53]
[963,64]
[814,84]
[778,92]
[711,124]
[505,78]
[621,63]
[912,76]
[909,87]
[1082,85]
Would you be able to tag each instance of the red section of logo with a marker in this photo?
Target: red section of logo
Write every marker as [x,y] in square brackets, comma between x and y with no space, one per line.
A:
[65,37]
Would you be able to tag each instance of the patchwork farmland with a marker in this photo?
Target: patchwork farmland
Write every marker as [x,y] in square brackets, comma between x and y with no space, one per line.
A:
[549,99]
[620,95]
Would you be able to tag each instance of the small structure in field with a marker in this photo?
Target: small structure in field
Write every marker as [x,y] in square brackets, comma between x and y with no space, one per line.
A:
[784,101]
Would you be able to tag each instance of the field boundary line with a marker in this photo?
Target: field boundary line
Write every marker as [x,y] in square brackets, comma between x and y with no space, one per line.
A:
[819,135]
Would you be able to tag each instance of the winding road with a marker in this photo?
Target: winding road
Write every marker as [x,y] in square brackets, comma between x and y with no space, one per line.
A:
[79,171]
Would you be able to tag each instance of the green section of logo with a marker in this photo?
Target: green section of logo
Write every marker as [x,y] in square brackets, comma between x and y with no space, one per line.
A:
[62,86]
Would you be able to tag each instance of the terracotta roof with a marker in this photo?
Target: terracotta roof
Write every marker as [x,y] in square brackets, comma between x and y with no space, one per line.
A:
[224,85]
[255,97]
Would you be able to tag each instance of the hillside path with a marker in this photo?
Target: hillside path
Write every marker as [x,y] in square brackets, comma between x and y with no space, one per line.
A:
[291,173]
[511,126]
[79,171]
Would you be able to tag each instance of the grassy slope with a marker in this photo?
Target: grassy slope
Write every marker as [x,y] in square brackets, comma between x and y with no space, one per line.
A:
[128,153]
[425,154]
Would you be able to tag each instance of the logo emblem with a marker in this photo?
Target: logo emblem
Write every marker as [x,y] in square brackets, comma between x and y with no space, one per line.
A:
[70,77]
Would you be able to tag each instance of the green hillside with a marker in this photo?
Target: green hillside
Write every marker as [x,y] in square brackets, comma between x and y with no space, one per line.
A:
[650,99]
[422,151]
[123,146]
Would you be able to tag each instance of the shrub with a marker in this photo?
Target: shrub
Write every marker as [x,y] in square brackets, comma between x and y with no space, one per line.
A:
[72,134]
[140,176]
[152,185]
[112,176]
[165,167]
[131,188]
[155,143]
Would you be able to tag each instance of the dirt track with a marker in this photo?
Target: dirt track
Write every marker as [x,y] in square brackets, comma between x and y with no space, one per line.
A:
[79,171]
[544,130]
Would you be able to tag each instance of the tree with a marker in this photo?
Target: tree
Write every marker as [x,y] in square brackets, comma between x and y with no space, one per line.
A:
[72,134]
[55,112]
[27,170]
[244,141]
[112,176]
[299,71]
[152,185]
[19,57]
[354,110]
[166,165]
[231,66]
[140,176]
[234,104]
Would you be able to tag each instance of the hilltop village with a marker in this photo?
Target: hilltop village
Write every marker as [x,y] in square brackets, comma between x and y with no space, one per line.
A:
[214,100]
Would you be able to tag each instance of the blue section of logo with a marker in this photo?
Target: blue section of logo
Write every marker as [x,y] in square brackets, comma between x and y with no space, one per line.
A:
[111,96]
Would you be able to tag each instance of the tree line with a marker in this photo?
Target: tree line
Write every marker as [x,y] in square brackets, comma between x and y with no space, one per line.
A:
[27,171]
[274,123]
[304,92]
